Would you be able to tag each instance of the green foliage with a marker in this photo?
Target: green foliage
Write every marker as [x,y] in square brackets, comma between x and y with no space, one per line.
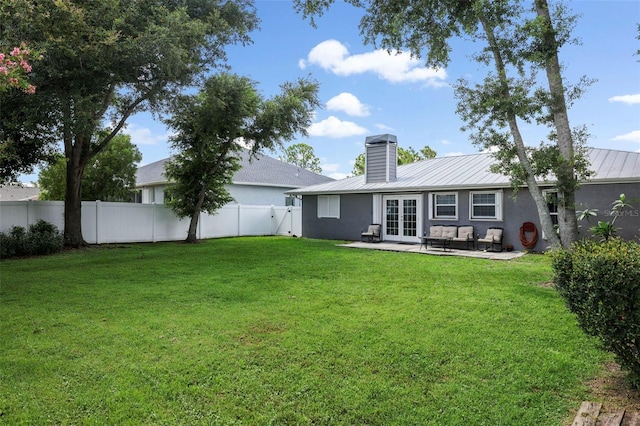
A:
[606,230]
[405,156]
[600,282]
[301,155]
[14,243]
[190,174]
[42,238]
[52,179]
[109,176]
[272,330]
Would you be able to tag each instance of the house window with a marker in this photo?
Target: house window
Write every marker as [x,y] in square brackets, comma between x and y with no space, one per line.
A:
[443,205]
[329,206]
[485,205]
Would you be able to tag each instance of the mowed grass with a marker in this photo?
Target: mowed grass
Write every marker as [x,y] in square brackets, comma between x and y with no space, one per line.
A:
[285,331]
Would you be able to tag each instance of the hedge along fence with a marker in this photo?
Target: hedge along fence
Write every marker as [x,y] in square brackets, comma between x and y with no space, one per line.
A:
[105,222]
[600,283]
[40,239]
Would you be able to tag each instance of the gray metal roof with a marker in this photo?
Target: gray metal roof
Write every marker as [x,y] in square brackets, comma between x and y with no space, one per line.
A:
[472,171]
[260,170]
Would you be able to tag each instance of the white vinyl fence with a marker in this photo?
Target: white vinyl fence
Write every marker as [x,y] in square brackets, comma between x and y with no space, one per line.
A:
[104,222]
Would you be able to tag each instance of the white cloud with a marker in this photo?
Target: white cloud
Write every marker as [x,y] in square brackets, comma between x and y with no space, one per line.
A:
[348,103]
[633,136]
[395,67]
[331,170]
[491,149]
[339,176]
[384,127]
[627,99]
[144,135]
[445,141]
[334,128]
[455,154]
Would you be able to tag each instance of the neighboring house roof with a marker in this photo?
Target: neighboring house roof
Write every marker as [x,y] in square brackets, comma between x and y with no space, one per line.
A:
[260,170]
[19,193]
[472,171]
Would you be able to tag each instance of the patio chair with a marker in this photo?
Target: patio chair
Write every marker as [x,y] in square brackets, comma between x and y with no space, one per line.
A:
[492,239]
[465,235]
[372,234]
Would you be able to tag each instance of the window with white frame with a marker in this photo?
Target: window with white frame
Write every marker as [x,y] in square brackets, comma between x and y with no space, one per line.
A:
[485,205]
[443,205]
[329,206]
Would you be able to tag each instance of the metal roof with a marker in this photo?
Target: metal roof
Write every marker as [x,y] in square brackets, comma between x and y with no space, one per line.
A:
[472,171]
[260,170]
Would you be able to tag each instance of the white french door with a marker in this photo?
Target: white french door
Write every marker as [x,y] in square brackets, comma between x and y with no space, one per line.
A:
[402,218]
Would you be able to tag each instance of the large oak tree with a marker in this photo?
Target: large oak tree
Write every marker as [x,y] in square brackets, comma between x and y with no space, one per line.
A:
[106,60]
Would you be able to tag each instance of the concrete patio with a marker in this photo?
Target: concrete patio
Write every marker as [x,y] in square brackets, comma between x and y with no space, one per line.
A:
[437,251]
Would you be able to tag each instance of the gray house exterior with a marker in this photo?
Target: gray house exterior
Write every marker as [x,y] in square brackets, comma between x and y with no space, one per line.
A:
[262,180]
[460,190]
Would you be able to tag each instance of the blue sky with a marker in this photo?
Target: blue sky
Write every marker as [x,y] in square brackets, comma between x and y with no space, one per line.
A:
[367,92]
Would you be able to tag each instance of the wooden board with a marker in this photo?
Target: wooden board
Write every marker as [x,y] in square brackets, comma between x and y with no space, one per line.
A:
[611,419]
[587,414]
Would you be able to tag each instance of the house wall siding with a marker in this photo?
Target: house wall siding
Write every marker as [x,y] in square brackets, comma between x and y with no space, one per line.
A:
[254,195]
[601,196]
[356,214]
[258,195]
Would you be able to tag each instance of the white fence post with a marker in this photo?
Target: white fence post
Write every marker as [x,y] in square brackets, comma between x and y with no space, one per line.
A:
[98,221]
[273,219]
[153,222]
[29,213]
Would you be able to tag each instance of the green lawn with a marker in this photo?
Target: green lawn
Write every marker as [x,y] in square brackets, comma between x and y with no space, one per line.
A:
[285,331]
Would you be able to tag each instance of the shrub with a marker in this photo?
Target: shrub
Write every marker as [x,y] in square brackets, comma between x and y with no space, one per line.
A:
[14,243]
[600,283]
[42,238]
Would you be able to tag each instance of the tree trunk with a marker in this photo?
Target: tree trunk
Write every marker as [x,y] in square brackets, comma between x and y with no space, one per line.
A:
[73,202]
[195,216]
[567,182]
[535,191]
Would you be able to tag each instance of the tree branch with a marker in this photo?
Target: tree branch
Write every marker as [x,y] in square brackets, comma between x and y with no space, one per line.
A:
[125,115]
